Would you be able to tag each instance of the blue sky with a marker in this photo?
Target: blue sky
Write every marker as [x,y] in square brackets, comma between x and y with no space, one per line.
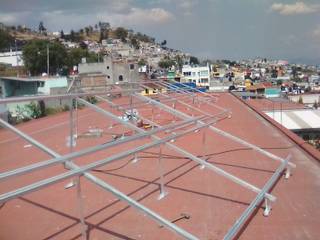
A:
[230,29]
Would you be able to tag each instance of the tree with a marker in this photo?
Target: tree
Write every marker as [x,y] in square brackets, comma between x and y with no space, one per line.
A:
[121,33]
[90,29]
[75,56]
[42,29]
[179,61]
[72,35]
[134,42]
[5,40]
[279,82]
[86,29]
[194,60]
[35,56]
[166,63]
[142,62]
[62,34]
[164,43]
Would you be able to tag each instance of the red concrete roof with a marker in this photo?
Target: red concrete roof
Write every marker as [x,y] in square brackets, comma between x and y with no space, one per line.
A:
[213,202]
[269,105]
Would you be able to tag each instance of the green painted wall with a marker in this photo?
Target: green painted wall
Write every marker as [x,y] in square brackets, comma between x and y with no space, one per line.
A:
[19,88]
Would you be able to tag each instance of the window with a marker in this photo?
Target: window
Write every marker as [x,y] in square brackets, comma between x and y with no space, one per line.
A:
[40,84]
[204,73]
[120,78]
[108,77]
[17,85]
[108,67]
[131,66]
[187,73]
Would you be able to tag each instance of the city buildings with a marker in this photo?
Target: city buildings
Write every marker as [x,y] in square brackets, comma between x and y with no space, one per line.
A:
[197,74]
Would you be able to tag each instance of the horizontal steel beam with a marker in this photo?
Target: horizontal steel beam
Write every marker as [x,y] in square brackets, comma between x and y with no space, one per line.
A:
[76,170]
[198,92]
[70,156]
[211,167]
[220,132]
[60,96]
[79,171]
[256,202]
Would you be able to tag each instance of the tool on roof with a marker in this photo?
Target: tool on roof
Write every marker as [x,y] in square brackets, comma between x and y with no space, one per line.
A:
[182,216]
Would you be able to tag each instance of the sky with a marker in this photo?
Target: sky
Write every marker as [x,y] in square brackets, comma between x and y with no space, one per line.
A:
[213,29]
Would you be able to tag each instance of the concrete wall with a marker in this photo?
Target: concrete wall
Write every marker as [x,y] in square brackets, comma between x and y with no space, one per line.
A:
[124,69]
[19,88]
[115,71]
[48,84]
[12,58]
[306,98]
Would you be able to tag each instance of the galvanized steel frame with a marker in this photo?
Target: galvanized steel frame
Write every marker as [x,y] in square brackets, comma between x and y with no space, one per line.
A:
[82,171]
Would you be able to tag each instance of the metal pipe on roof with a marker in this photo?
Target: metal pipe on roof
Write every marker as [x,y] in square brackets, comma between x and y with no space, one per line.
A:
[256,202]
[60,96]
[76,170]
[81,170]
[195,158]
[234,138]
[70,156]
[194,89]
[223,133]
[194,108]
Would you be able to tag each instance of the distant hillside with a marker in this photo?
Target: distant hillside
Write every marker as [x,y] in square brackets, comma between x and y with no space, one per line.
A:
[100,31]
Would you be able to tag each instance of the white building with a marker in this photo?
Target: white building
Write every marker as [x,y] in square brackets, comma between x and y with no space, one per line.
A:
[13,58]
[49,85]
[200,75]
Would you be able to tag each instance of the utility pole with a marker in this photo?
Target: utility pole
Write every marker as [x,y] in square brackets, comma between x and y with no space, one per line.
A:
[15,42]
[48,62]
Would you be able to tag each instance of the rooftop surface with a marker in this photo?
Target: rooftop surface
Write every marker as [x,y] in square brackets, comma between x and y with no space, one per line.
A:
[297,119]
[270,105]
[213,202]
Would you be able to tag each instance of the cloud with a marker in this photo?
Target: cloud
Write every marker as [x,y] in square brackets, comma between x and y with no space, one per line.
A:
[129,17]
[185,7]
[14,18]
[295,8]
[316,33]
[148,16]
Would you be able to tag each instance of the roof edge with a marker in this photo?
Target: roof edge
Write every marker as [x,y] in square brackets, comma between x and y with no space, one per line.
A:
[311,151]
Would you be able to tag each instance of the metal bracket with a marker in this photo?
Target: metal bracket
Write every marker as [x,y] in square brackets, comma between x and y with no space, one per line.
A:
[288,172]
[135,158]
[267,208]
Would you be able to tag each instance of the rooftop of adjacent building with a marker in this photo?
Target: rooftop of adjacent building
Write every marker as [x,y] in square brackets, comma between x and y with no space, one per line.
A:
[213,202]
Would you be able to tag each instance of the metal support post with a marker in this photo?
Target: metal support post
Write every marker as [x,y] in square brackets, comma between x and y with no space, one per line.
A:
[288,172]
[135,158]
[80,204]
[152,112]
[131,108]
[95,180]
[163,193]
[77,119]
[204,146]
[185,153]
[267,208]
[71,140]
